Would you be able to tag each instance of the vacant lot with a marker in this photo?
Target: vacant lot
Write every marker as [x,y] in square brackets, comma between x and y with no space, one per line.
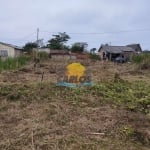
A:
[114,114]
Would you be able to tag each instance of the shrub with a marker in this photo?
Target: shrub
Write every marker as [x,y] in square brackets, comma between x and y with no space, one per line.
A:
[13,63]
[142,60]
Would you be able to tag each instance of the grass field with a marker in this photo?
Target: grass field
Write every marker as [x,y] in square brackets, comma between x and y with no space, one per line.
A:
[113,114]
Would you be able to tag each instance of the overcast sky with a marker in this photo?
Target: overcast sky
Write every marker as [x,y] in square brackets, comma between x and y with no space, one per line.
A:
[117,22]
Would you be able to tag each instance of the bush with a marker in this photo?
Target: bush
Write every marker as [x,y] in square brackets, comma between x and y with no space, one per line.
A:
[142,60]
[13,63]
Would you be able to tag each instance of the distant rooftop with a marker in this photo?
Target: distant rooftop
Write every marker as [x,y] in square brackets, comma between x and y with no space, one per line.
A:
[136,47]
[10,45]
[116,49]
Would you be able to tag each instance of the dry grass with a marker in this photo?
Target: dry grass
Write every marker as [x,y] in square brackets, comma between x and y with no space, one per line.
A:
[40,116]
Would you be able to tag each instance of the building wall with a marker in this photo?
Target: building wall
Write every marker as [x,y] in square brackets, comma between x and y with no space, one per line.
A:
[128,55]
[10,50]
[100,53]
[18,53]
[47,50]
[82,56]
[65,57]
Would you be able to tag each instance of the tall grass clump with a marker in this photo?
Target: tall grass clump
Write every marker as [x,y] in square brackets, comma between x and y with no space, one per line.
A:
[142,60]
[43,56]
[13,63]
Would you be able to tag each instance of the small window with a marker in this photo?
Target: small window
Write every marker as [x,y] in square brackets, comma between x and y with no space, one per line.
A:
[3,53]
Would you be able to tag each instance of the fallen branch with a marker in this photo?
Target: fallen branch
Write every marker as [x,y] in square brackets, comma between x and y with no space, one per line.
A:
[95,133]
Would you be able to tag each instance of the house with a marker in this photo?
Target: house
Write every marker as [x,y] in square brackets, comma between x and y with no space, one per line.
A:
[65,54]
[8,50]
[136,47]
[112,52]
[61,54]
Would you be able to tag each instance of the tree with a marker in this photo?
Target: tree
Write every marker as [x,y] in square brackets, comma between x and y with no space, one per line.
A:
[59,40]
[79,47]
[92,51]
[29,47]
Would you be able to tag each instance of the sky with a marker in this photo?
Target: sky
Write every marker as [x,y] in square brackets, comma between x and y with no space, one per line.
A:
[116,22]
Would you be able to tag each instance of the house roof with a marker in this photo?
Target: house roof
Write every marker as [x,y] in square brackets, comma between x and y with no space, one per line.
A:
[13,46]
[136,47]
[116,49]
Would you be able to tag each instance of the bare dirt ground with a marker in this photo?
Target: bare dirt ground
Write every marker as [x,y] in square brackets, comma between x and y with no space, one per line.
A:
[37,115]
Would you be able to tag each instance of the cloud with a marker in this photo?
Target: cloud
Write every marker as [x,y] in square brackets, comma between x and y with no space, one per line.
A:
[20,18]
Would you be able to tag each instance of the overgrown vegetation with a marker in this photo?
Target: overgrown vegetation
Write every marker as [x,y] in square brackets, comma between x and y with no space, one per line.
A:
[64,108]
[135,96]
[13,63]
[43,56]
[142,60]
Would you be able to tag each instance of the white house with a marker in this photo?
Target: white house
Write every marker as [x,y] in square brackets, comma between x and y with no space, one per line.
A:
[47,50]
[8,50]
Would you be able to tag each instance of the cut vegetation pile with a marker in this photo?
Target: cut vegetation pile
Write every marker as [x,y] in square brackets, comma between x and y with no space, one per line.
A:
[112,114]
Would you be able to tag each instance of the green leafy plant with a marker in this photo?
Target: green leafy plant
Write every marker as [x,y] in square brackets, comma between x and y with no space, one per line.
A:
[127,130]
[13,63]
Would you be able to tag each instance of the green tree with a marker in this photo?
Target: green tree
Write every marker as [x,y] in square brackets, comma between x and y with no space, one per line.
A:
[92,51]
[58,42]
[77,49]
[29,47]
